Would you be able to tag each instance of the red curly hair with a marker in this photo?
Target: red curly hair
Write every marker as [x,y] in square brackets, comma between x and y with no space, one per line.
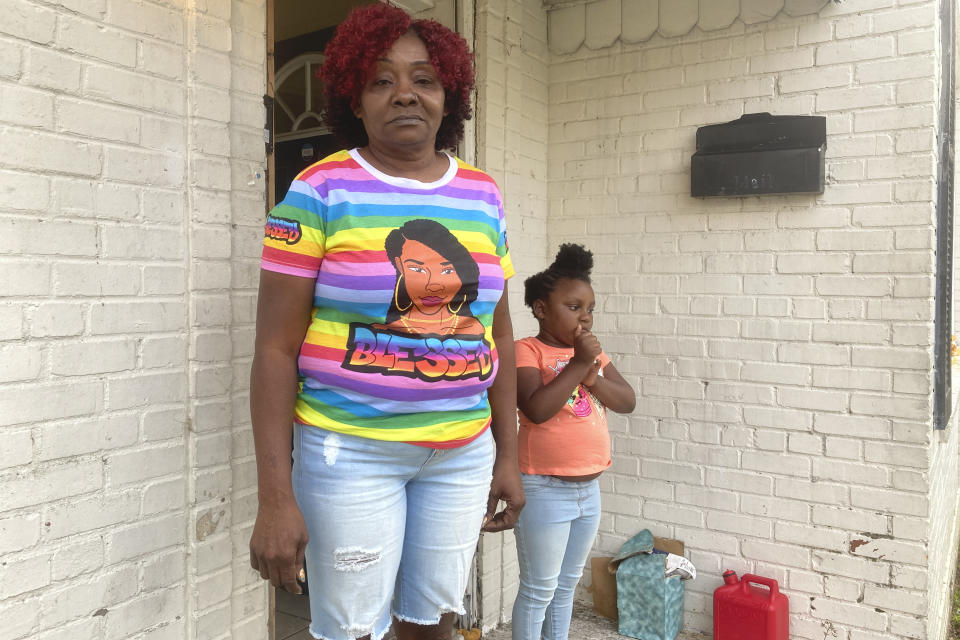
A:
[360,40]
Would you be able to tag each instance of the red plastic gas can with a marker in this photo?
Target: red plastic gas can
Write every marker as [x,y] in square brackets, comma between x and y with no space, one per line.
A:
[743,611]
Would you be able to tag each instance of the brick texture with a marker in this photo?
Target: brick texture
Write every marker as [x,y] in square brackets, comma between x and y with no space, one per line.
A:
[118,334]
[775,342]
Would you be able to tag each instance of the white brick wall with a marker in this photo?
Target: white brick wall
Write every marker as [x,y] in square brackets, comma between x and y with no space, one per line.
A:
[131,191]
[784,417]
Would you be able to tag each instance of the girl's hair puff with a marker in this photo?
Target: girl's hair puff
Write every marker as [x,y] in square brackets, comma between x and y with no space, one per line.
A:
[573,262]
[361,39]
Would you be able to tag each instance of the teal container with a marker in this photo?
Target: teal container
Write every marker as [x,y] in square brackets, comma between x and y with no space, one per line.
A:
[650,607]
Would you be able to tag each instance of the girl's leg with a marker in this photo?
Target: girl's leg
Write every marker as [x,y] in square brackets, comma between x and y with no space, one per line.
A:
[542,534]
[446,501]
[583,531]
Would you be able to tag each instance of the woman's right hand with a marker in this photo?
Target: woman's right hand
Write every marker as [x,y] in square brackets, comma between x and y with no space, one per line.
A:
[278,543]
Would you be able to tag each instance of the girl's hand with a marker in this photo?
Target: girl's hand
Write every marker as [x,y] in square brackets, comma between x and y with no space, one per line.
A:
[591,377]
[586,347]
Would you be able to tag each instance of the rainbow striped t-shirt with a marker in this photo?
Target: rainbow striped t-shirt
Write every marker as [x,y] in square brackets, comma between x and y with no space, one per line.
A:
[400,345]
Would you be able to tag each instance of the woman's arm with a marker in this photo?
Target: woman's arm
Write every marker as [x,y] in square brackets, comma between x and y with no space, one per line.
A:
[279,534]
[613,391]
[506,484]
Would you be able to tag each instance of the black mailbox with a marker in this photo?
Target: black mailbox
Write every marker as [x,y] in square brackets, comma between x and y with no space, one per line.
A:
[759,154]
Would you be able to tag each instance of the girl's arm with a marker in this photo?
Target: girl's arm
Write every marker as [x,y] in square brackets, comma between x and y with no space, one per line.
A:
[540,402]
[613,391]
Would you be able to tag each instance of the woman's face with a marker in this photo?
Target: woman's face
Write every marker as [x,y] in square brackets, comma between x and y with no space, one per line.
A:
[402,103]
[430,280]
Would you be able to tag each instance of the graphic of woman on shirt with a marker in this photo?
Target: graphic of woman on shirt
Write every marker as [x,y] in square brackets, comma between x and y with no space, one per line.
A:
[437,279]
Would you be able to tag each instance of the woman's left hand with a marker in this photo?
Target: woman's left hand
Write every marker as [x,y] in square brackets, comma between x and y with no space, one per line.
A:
[507,486]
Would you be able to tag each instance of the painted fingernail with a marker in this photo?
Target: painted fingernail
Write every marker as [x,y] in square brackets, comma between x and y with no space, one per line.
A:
[302,575]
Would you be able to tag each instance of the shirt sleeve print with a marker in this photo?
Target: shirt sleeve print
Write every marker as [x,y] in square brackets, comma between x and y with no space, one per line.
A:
[503,247]
[293,239]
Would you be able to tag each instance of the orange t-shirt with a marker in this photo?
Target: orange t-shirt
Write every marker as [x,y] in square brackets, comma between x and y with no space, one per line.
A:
[575,442]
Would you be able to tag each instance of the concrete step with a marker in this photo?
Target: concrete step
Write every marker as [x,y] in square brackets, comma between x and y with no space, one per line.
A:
[586,625]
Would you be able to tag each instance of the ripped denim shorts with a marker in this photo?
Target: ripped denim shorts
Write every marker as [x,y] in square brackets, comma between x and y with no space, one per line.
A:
[393,528]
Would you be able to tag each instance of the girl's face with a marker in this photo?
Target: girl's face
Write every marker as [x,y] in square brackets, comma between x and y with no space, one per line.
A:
[430,279]
[569,305]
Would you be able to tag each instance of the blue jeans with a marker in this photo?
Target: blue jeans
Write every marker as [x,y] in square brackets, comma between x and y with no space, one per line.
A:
[555,533]
[393,528]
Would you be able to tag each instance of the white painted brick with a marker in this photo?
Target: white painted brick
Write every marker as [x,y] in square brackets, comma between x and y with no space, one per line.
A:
[21,618]
[19,363]
[842,589]
[49,69]
[90,38]
[84,599]
[164,351]
[97,512]
[843,448]
[23,191]
[738,524]
[19,533]
[95,279]
[852,379]
[805,443]
[898,407]
[136,317]
[807,536]
[907,626]
[79,358]
[845,565]
[31,403]
[44,152]
[904,382]
[777,554]
[144,537]
[95,120]
[144,612]
[845,51]
[896,454]
[849,518]
[28,21]
[901,358]
[766,506]
[776,373]
[893,215]
[147,464]
[24,106]
[776,463]
[851,472]
[74,559]
[890,550]
[11,53]
[144,390]
[909,480]
[24,575]
[888,500]
[78,437]
[133,89]
[852,333]
[164,496]
[846,309]
[807,490]
[845,424]
[50,483]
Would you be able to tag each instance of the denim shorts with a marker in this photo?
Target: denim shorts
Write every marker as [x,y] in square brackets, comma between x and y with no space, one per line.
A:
[393,528]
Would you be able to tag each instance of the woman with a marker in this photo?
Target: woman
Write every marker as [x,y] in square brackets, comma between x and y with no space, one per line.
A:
[436,281]
[394,469]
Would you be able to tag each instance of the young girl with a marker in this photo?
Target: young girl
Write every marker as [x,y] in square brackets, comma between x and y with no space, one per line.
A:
[565,383]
